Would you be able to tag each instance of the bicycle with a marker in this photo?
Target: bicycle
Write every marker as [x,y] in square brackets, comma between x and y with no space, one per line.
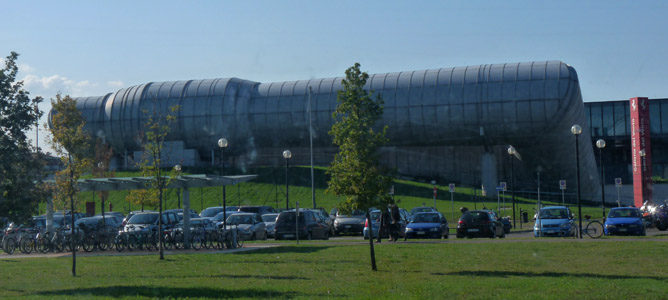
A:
[9,241]
[594,228]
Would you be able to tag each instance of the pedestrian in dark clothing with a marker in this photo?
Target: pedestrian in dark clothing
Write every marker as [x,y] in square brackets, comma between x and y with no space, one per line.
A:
[396,219]
[384,227]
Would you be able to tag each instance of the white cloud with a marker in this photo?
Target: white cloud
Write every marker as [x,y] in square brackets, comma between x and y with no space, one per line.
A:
[115,83]
[25,68]
[50,85]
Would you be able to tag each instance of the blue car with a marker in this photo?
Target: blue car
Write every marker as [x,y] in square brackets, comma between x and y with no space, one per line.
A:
[427,225]
[624,221]
[554,221]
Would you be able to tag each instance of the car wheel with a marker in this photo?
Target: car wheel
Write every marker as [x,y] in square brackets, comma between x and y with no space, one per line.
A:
[662,226]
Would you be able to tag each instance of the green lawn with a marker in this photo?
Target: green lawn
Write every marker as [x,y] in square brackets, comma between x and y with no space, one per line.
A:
[516,270]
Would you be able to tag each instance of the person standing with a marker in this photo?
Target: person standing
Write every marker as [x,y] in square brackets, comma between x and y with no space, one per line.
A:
[384,225]
[396,219]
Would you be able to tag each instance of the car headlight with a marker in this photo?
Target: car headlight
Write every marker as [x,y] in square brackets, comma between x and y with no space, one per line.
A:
[610,226]
[409,229]
[433,229]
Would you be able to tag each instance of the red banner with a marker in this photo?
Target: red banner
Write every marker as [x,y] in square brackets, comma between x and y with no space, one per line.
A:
[641,151]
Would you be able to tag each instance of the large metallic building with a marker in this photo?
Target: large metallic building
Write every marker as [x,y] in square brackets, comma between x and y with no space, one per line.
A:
[449,124]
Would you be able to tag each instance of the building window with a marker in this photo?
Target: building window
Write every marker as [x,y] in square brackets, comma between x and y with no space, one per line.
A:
[654,117]
[608,119]
[620,119]
[596,122]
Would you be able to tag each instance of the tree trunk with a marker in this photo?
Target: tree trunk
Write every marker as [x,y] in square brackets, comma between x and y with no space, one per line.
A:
[373,253]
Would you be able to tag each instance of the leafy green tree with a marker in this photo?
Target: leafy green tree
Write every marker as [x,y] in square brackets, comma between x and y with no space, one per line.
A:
[21,166]
[355,172]
[71,142]
[156,129]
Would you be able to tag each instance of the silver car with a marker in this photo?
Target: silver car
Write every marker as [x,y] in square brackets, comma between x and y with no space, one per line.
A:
[270,223]
[250,226]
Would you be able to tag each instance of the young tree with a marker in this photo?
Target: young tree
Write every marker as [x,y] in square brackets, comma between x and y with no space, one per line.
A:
[21,165]
[156,129]
[355,172]
[71,142]
[101,169]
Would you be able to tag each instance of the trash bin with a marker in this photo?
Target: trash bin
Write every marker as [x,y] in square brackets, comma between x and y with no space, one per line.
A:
[525,217]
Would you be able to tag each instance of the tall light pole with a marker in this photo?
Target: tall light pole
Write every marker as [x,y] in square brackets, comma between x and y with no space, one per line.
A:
[577,130]
[433,183]
[100,166]
[512,152]
[600,144]
[287,155]
[222,144]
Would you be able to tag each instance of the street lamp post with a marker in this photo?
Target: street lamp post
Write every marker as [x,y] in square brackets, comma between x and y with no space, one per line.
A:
[287,155]
[100,166]
[222,144]
[512,152]
[600,144]
[577,130]
[433,183]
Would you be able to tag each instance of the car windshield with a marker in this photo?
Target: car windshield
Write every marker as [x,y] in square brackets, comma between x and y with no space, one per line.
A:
[240,219]
[143,219]
[624,213]
[269,218]
[210,212]
[426,218]
[421,209]
[289,217]
[554,213]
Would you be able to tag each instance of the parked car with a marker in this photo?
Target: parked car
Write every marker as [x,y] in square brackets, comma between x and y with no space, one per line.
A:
[270,224]
[325,219]
[250,226]
[554,221]
[427,225]
[220,217]
[310,226]
[624,221]
[112,220]
[148,221]
[479,223]
[421,209]
[179,213]
[375,225]
[352,224]
[260,210]
[211,211]
[132,213]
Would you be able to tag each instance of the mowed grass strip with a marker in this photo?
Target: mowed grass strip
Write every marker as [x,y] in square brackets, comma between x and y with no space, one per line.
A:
[517,270]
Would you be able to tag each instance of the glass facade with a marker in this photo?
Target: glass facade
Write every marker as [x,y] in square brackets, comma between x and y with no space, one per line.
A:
[611,121]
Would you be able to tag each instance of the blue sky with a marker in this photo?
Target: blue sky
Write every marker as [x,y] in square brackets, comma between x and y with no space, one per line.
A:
[89,48]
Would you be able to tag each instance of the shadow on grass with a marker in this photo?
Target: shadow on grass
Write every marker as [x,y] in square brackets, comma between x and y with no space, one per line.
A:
[171,292]
[228,276]
[283,249]
[548,274]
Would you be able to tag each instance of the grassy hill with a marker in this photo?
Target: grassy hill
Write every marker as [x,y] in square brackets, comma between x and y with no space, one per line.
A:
[269,189]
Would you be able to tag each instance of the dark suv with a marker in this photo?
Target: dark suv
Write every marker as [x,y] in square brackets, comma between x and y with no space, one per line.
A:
[310,225]
[480,223]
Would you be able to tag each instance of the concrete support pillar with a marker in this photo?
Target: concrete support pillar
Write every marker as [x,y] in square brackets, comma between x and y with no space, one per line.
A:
[186,217]
[49,214]
[488,174]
